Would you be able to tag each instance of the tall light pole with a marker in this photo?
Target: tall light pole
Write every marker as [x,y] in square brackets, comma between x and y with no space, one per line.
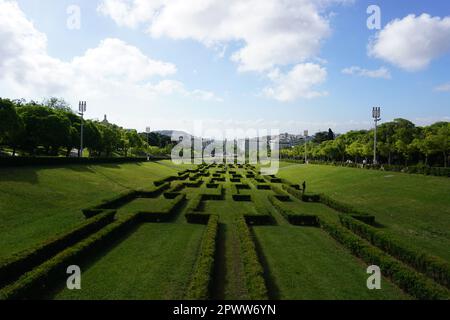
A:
[147,130]
[376,114]
[305,134]
[82,110]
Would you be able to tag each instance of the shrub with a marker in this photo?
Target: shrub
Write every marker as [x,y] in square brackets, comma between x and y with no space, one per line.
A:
[291,216]
[17,265]
[113,203]
[259,219]
[199,287]
[434,267]
[242,197]
[199,218]
[311,197]
[254,273]
[413,283]
[63,161]
[263,186]
[32,284]
[303,220]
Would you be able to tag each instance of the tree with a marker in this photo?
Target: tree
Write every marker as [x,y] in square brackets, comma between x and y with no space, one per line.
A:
[9,120]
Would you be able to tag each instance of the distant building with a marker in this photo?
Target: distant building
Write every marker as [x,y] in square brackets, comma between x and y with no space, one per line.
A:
[105,120]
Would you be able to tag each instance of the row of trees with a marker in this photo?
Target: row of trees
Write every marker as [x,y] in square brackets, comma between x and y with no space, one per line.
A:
[52,128]
[399,142]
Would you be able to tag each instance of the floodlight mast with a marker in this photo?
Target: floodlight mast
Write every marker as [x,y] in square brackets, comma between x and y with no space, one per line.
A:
[147,130]
[305,135]
[376,115]
[82,110]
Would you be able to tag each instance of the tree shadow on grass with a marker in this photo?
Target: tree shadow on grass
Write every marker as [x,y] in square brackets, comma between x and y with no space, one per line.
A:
[88,260]
[19,174]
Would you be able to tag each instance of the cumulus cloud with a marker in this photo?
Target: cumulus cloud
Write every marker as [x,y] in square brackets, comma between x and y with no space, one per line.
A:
[413,42]
[297,83]
[112,68]
[361,72]
[443,87]
[272,32]
[266,34]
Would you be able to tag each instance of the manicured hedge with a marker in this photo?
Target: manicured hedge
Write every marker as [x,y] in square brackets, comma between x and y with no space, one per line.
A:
[198,218]
[432,266]
[112,203]
[296,192]
[35,283]
[259,219]
[175,204]
[62,161]
[263,186]
[309,197]
[417,169]
[253,271]
[303,220]
[200,285]
[164,180]
[242,197]
[12,268]
[291,216]
[412,282]
[194,204]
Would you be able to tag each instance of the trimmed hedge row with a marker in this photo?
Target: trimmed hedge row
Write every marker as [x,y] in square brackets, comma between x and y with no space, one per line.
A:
[293,191]
[253,271]
[291,216]
[176,202]
[259,219]
[338,205]
[432,266]
[14,267]
[242,197]
[417,169]
[122,199]
[199,287]
[197,218]
[35,283]
[62,161]
[412,282]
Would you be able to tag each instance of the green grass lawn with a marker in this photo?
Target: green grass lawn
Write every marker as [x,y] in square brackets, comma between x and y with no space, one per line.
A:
[39,202]
[305,263]
[154,262]
[415,209]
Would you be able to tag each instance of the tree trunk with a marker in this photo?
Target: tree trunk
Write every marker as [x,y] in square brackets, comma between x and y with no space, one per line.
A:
[445,159]
[389,158]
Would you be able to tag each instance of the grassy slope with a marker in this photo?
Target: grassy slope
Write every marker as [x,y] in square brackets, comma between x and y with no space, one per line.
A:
[39,202]
[154,262]
[306,263]
[413,208]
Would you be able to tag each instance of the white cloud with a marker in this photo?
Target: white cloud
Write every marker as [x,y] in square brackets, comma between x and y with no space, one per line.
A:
[129,13]
[413,42]
[361,72]
[443,87]
[297,83]
[113,68]
[272,32]
[268,34]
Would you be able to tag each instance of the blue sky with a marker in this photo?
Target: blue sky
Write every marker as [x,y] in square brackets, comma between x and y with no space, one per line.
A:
[263,63]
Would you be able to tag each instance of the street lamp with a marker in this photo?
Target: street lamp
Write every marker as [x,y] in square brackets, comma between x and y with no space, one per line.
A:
[376,114]
[305,134]
[147,130]
[82,110]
